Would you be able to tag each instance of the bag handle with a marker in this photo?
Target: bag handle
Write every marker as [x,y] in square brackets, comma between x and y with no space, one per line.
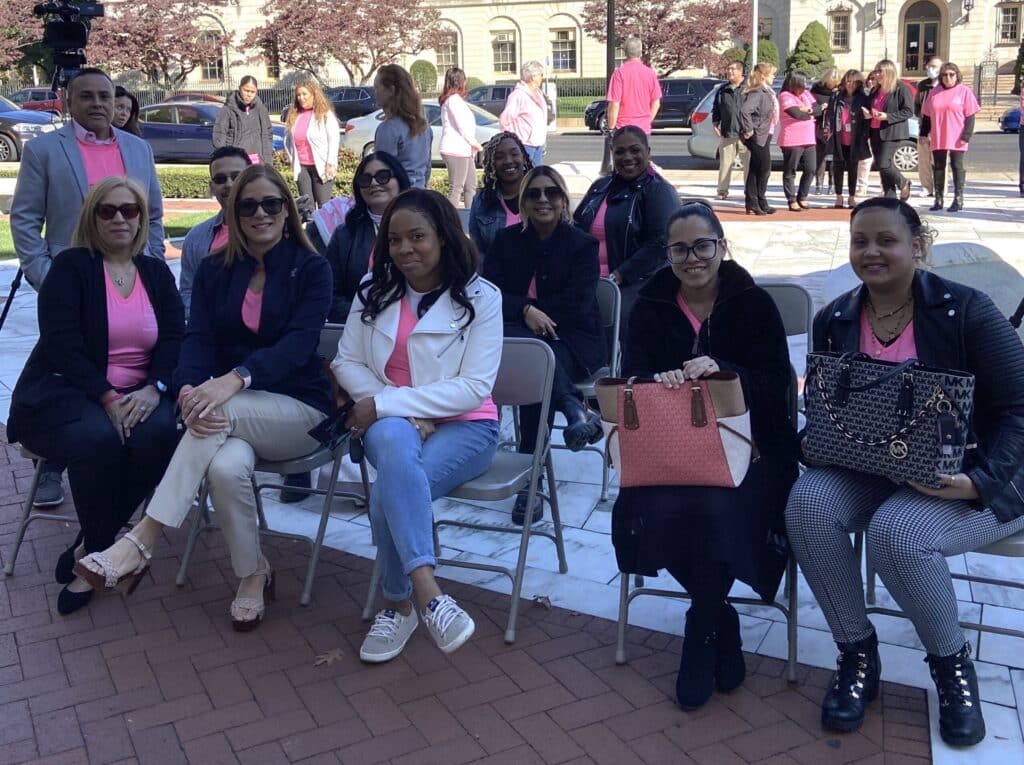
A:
[844,372]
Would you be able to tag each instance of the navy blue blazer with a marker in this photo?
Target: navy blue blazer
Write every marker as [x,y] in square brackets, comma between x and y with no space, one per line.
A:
[282,357]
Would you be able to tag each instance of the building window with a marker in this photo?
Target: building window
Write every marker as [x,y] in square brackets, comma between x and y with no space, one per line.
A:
[503,44]
[563,50]
[213,67]
[448,51]
[620,56]
[1009,24]
[764,27]
[839,30]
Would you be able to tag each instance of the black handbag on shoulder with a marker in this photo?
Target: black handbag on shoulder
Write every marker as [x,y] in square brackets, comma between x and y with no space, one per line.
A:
[905,421]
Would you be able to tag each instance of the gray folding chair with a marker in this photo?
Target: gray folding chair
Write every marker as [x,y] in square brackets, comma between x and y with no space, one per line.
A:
[525,376]
[329,337]
[30,514]
[795,306]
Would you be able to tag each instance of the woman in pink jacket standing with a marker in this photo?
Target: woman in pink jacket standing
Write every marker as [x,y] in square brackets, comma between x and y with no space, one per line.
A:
[459,146]
[947,116]
[526,111]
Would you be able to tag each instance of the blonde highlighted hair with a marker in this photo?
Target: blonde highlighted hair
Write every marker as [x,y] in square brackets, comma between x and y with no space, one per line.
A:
[321,106]
[87,233]
[545,171]
[237,242]
[889,75]
[761,74]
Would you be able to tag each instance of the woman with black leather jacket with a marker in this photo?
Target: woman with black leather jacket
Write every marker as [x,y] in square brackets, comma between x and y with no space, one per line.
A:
[823,90]
[627,212]
[847,135]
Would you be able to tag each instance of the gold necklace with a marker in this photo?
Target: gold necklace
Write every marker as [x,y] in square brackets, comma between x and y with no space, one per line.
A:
[121,279]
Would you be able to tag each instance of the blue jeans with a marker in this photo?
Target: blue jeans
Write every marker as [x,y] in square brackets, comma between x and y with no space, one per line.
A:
[411,474]
[536,154]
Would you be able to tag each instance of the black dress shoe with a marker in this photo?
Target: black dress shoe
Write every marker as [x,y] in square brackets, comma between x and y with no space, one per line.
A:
[730,667]
[768,210]
[696,679]
[519,509]
[298,480]
[960,720]
[62,572]
[854,684]
[755,212]
[68,602]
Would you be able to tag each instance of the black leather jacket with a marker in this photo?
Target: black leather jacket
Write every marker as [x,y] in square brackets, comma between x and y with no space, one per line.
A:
[958,327]
[348,252]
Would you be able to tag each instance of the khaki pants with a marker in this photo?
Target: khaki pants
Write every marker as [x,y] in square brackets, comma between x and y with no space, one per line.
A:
[270,426]
[925,165]
[728,148]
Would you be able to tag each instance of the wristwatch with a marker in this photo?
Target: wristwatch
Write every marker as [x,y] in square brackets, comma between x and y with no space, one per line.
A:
[160,385]
[244,375]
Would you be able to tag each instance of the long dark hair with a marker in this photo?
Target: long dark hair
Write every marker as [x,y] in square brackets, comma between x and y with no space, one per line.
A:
[459,257]
[361,211]
[490,184]
[132,125]
[454,84]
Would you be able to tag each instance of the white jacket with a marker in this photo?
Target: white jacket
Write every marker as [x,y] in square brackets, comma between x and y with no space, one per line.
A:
[324,138]
[453,366]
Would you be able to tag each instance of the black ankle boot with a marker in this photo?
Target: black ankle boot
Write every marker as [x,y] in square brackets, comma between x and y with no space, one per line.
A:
[730,668]
[938,203]
[519,508]
[582,426]
[958,201]
[696,679]
[960,720]
[854,684]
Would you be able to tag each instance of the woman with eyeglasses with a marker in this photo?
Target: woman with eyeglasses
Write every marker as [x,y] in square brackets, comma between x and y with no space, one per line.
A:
[947,118]
[506,163]
[378,179]
[701,314]
[249,385]
[547,271]
[94,394]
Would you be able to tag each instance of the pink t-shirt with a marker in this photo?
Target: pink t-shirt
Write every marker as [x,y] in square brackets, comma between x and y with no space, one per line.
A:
[688,312]
[597,230]
[252,307]
[220,238]
[794,132]
[299,132]
[948,109]
[398,372]
[902,349]
[511,218]
[131,334]
[101,160]
[634,86]
[878,105]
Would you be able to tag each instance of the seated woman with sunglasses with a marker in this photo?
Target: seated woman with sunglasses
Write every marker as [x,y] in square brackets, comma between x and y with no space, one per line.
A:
[94,393]
[547,271]
[379,178]
[700,315]
[249,384]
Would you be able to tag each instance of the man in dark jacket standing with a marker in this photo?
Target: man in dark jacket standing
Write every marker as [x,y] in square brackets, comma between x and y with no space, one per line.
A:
[925,169]
[725,117]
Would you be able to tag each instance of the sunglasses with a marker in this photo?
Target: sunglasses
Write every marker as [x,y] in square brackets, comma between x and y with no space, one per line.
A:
[247,208]
[381,178]
[128,212]
[948,74]
[534,193]
[221,178]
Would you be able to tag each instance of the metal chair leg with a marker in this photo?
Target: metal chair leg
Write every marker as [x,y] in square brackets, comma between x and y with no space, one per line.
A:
[200,523]
[556,518]
[371,595]
[620,641]
[25,519]
[325,515]
[791,617]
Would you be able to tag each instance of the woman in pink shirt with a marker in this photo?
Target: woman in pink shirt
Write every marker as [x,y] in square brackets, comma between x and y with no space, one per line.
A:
[797,109]
[947,116]
[311,140]
[459,146]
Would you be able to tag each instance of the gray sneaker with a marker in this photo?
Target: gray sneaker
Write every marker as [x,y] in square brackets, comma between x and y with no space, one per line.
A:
[388,636]
[49,490]
[448,624]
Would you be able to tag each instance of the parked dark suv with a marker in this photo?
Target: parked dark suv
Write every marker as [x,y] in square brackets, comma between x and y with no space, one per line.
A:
[349,101]
[679,97]
[38,100]
[492,98]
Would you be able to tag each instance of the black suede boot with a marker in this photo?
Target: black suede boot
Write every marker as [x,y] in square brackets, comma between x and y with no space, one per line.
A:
[730,668]
[958,199]
[939,184]
[960,720]
[696,679]
[582,426]
[854,684]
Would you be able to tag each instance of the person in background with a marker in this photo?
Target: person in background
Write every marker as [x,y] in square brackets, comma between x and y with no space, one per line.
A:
[947,120]
[758,117]
[925,164]
[94,392]
[634,93]
[1020,147]
[459,146]
[506,163]
[822,89]
[526,112]
[891,106]
[226,164]
[126,111]
[796,138]
[311,140]
[847,135]
[404,132]
[864,166]
[378,179]
[244,121]
[725,118]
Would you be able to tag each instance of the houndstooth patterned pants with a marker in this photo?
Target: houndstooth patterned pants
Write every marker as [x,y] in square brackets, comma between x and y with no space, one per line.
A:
[909,536]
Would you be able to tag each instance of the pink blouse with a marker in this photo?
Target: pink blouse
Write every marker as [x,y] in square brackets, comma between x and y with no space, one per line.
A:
[131,334]
[878,105]
[948,110]
[688,312]
[901,349]
[252,307]
[299,133]
[598,231]
[792,131]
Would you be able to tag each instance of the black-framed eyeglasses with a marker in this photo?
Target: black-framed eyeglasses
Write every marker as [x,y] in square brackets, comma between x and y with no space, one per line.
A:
[246,208]
[381,178]
[702,249]
[221,178]
[534,193]
[128,211]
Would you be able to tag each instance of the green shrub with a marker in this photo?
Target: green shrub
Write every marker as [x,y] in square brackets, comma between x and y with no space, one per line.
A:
[767,53]
[812,53]
[473,82]
[424,74]
[1018,71]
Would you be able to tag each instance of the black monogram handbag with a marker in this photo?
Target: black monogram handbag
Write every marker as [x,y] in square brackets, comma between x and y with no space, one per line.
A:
[903,420]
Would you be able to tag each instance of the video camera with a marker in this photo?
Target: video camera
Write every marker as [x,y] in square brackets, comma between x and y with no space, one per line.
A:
[66,33]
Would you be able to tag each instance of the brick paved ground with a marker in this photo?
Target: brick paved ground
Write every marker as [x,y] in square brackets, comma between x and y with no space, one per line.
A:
[166,680]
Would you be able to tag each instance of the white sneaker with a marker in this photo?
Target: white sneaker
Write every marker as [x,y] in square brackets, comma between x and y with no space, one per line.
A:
[448,624]
[387,637]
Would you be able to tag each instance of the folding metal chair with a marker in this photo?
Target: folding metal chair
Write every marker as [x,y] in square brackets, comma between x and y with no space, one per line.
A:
[30,514]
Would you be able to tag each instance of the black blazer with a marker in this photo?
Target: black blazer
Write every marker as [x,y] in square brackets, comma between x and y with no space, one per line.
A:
[957,327]
[898,108]
[68,366]
[859,126]
[567,271]
[348,253]
[282,357]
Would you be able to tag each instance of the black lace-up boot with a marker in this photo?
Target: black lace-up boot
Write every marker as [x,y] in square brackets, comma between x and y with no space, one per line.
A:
[960,720]
[696,679]
[854,684]
[730,668]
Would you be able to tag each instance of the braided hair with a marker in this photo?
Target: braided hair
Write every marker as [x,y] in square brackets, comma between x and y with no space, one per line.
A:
[490,185]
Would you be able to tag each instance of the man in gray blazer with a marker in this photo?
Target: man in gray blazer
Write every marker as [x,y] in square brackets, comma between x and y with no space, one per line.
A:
[53,179]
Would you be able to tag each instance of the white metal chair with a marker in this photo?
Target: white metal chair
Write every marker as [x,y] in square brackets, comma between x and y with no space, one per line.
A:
[525,376]
[29,513]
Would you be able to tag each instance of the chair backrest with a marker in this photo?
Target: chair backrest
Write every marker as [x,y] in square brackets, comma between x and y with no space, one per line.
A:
[526,372]
[609,302]
[795,305]
[330,336]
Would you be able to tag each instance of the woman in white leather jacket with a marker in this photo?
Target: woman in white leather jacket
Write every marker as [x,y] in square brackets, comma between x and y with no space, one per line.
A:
[311,139]
[419,356]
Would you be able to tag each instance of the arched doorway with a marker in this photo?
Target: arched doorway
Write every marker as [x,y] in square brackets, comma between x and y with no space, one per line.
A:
[922,27]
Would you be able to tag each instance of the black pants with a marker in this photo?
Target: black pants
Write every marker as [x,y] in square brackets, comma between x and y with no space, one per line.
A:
[707,582]
[956,163]
[843,165]
[109,480]
[309,183]
[1020,158]
[821,158]
[794,157]
[760,167]
[892,179]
